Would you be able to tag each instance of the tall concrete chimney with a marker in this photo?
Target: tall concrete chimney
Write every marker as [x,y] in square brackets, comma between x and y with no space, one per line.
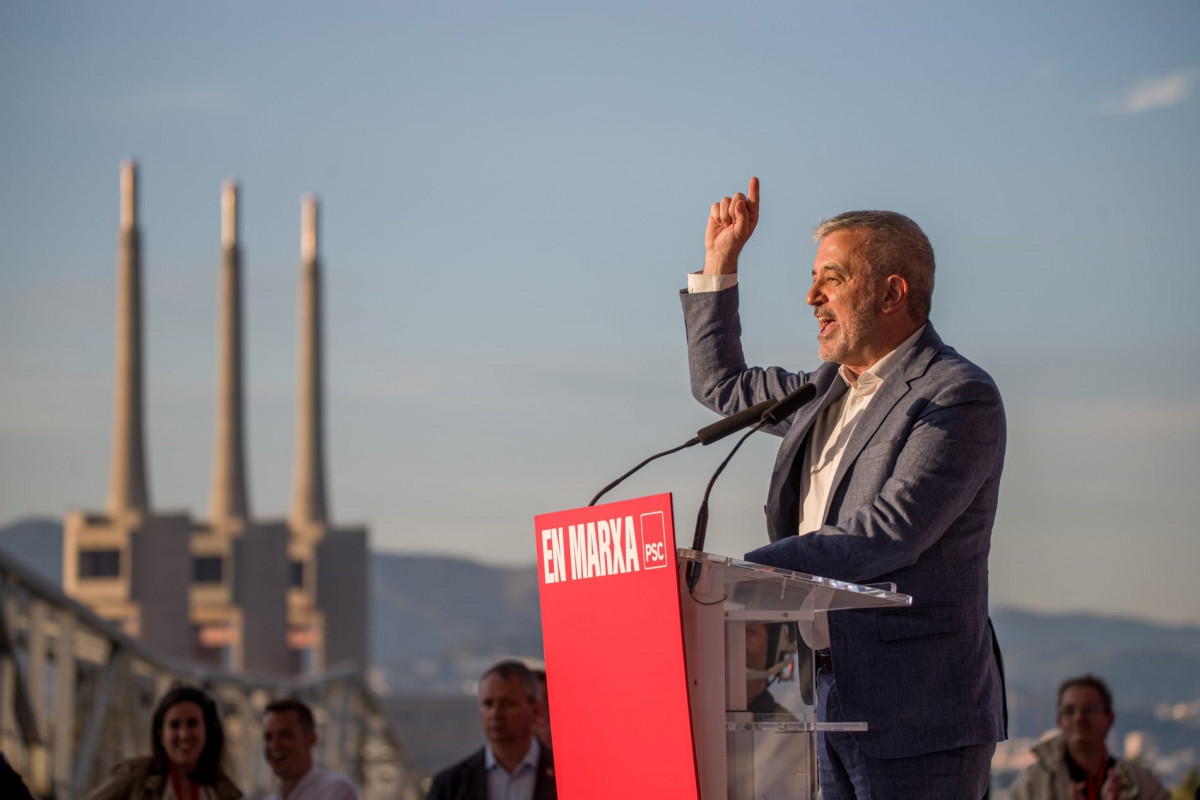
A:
[229,497]
[308,497]
[127,491]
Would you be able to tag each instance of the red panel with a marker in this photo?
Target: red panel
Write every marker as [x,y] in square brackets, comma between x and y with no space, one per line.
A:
[614,651]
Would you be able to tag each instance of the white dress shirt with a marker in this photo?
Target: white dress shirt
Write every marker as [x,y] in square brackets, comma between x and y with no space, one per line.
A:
[520,783]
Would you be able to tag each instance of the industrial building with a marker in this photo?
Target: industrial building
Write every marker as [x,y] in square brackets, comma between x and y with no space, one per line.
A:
[262,595]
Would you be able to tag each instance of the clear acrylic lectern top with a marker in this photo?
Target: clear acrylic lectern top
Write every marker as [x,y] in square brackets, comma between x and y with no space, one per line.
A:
[753,588]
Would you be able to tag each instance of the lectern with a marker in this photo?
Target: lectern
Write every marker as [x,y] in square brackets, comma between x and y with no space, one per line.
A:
[646,660]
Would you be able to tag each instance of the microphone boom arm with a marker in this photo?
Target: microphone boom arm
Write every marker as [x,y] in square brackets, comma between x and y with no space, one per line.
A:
[605,490]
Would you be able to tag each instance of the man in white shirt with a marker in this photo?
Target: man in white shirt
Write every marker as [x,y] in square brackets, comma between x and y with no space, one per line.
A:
[891,475]
[513,765]
[289,735]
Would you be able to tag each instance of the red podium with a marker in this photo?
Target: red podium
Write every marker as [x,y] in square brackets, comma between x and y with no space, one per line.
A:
[649,678]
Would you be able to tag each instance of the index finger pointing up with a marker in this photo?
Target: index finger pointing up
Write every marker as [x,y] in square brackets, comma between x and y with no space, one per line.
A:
[753,192]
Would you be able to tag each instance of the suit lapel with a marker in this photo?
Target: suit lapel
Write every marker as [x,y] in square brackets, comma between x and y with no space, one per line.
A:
[829,389]
[784,493]
[544,787]
[477,776]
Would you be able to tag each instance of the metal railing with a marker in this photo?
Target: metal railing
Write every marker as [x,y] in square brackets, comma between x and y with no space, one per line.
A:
[77,696]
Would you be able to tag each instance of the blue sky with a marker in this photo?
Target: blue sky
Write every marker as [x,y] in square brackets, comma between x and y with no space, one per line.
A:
[511,194]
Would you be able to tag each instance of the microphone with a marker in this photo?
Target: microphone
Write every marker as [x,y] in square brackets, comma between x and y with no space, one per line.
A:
[733,423]
[772,416]
[705,436]
[789,405]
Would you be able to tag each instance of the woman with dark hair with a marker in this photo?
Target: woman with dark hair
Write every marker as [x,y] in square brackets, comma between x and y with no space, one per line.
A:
[186,745]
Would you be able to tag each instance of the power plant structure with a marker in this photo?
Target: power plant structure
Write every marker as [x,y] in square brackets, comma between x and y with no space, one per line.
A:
[270,596]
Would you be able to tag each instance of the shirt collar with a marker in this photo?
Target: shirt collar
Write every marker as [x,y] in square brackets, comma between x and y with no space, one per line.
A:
[871,378]
[532,755]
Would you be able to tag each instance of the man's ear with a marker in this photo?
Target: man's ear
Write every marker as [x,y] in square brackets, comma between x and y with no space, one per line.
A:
[895,293]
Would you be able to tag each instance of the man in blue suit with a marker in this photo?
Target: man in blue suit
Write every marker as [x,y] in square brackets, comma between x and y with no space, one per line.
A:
[891,475]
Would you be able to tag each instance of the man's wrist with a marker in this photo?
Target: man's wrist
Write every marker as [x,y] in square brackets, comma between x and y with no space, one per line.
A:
[720,264]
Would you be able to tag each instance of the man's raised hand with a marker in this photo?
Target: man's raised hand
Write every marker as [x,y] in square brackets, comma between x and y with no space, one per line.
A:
[730,223]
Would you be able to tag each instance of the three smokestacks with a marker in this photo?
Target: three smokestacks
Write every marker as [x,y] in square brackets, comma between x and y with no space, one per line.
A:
[128,492]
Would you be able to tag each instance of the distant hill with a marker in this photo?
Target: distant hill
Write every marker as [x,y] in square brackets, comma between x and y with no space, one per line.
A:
[431,609]
[1152,663]
[38,543]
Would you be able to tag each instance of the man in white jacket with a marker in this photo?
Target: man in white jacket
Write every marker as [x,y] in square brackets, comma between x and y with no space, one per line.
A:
[1075,764]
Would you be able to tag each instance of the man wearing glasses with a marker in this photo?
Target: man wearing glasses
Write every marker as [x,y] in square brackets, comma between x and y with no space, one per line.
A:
[1075,764]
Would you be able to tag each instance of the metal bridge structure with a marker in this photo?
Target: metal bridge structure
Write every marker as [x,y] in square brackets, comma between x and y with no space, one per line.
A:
[77,696]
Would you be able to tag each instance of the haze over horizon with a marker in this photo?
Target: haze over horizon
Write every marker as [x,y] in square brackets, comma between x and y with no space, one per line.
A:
[510,198]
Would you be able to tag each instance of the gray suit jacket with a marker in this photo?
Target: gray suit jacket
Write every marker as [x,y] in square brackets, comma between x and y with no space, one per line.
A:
[913,503]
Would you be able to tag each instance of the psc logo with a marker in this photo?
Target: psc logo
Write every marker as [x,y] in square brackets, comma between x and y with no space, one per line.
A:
[654,541]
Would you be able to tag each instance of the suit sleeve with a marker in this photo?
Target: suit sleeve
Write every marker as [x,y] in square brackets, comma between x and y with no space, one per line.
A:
[953,447]
[719,376]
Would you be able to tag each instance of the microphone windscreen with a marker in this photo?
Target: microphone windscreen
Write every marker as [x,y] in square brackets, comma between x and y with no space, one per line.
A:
[733,423]
[790,404]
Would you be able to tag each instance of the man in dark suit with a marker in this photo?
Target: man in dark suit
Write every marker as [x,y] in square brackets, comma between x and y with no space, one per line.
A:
[891,475]
[513,764]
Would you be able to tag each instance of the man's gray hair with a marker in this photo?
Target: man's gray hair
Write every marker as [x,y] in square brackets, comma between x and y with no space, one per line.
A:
[895,245]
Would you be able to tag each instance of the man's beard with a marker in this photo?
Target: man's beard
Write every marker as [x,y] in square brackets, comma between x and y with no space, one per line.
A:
[851,330]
